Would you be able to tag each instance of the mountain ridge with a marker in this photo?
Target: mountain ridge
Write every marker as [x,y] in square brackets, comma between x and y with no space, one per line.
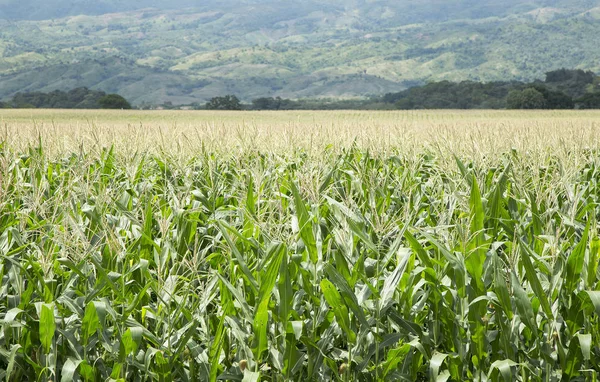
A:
[276,48]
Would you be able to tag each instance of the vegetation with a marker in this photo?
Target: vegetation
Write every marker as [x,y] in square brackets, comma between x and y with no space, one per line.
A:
[270,103]
[114,101]
[80,98]
[448,95]
[573,82]
[589,101]
[228,102]
[309,49]
[278,103]
[556,92]
[563,89]
[553,99]
[529,98]
[330,257]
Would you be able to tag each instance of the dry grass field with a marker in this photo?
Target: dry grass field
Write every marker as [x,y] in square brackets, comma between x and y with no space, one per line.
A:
[280,246]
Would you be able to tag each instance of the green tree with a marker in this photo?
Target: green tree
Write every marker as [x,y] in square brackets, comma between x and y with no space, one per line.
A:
[114,101]
[79,98]
[451,95]
[267,103]
[526,99]
[589,101]
[572,82]
[555,99]
[228,102]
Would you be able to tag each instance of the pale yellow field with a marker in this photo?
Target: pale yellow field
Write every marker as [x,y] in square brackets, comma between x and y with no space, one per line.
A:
[182,133]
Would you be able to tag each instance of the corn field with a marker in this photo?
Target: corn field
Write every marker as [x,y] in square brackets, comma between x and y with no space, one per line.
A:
[445,260]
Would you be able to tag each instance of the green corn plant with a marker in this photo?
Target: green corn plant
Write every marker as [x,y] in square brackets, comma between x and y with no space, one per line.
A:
[266,265]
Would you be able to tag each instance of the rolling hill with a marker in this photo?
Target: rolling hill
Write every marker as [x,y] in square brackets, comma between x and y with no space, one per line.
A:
[181,52]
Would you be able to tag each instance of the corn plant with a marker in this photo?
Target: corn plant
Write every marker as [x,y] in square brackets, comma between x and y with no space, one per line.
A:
[283,267]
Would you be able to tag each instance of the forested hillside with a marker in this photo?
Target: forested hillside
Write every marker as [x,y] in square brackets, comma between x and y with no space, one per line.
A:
[180,52]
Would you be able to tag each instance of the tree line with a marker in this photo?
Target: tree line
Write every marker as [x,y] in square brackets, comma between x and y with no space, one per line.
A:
[561,89]
[232,102]
[79,98]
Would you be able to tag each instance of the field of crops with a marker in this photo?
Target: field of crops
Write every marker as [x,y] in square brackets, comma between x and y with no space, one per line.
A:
[447,246]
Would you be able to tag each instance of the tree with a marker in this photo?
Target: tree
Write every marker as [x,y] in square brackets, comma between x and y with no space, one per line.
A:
[114,101]
[80,98]
[267,103]
[452,95]
[572,82]
[526,99]
[589,101]
[228,102]
[555,99]
[575,75]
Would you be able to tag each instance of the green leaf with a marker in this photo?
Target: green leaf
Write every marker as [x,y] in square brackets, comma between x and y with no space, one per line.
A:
[595,298]
[90,323]
[69,368]
[286,291]
[505,368]
[147,241]
[419,250]
[463,170]
[269,277]
[434,365]
[11,360]
[476,246]
[524,306]
[593,260]
[238,296]
[585,342]
[116,371]
[87,371]
[305,224]
[576,261]
[130,341]
[260,325]
[47,327]
[574,358]
[532,278]
[250,197]
[497,200]
[11,315]
[238,255]
[347,294]
[501,288]
[334,299]
[214,353]
[268,281]
[395,356]
[457,265]
[391,282]
[250,376]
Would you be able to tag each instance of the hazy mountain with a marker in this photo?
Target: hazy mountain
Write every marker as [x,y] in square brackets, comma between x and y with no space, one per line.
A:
[185,51]
[405,11]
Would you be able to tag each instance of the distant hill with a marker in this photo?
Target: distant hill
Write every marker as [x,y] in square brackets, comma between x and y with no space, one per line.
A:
[177,51]
[388,11]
